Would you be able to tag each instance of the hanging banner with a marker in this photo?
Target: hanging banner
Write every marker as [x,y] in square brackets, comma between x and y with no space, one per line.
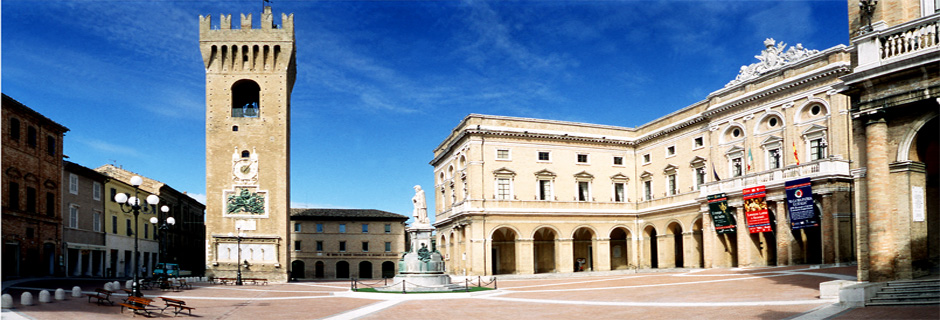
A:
[800,204]
[718,207]
[755,210]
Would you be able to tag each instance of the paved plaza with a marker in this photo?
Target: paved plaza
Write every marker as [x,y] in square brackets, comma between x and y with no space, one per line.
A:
[759,293]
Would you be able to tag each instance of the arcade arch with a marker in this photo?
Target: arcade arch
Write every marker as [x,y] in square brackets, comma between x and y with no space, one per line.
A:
[620,248]
[544,250]
[503,249]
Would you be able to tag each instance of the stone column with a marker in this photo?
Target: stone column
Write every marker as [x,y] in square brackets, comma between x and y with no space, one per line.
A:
[689,255]
[710,242]
[883,251]
[525,260]
[564,255]
[602,252]
[785,239]
[743,238]
[861,223]
[667,249]
[483,264]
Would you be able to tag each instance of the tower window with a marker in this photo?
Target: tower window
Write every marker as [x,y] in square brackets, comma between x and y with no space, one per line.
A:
[246,154]
[246,99]
[234,128]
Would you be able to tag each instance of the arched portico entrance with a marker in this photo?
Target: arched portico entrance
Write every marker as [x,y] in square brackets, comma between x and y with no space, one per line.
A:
[926,149]
[674,240]
[297,269]
[365,270]
[583,249]
[620,249]
[388,269]
[504,251]
[544,250]
[342,269]
[650,247]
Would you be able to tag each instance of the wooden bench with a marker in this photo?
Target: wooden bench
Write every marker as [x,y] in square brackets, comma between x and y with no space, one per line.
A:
[256,281]
[184,284]
[225,280]
[178,306]
[138,304]
[128,292]
[101,295]
[170,285]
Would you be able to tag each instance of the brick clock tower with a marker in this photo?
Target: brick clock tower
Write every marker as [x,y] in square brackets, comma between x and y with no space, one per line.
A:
[250,73]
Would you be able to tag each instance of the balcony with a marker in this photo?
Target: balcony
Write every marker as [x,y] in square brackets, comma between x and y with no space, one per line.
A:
[821,168]
[886,45]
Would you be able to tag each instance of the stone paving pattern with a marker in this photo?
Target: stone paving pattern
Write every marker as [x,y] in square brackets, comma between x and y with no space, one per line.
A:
[759,293]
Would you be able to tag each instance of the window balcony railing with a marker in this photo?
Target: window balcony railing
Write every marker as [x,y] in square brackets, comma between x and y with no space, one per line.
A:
[827,167]
[884,45]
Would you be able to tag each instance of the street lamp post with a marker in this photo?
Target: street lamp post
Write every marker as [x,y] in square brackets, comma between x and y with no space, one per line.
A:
[238,253]
[163,227]
[132,204]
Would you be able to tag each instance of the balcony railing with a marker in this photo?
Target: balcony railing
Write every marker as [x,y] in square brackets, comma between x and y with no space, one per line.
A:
[828,167]
[898,42]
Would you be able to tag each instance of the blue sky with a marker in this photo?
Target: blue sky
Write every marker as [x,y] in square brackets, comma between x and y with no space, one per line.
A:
[381,84]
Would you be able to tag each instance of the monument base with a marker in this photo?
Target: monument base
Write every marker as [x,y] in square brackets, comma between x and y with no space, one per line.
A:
[422,282]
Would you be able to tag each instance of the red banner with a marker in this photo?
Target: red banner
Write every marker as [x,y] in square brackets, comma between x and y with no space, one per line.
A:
[755,210]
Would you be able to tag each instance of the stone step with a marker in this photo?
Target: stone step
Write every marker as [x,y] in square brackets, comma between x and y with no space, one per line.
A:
[914,283]
[912,289]
[906,295]
[902,303]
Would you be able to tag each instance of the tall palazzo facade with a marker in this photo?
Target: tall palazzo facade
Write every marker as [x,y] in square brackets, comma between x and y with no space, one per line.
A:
[798,160]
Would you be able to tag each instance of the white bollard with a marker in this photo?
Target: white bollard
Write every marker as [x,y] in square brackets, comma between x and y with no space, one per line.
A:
[45,297]
[6,301]
[60,294]
[108,286]
[127,285]
[76,291]
[26,299]
[115,285]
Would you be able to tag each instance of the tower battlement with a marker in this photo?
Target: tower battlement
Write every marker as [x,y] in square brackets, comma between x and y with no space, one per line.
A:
[267,24]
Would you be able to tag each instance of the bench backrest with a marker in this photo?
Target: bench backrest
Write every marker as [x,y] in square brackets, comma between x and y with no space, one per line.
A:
[104,292]
[171,301]
[139,300]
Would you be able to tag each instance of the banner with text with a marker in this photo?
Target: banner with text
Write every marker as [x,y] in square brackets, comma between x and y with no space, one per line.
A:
[718,207]
[800,204]
[755,210]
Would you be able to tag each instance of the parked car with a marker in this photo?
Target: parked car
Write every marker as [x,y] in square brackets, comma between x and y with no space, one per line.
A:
[169,269]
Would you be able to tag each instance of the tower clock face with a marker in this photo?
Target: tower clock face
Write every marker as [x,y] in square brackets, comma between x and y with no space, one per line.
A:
[245,169]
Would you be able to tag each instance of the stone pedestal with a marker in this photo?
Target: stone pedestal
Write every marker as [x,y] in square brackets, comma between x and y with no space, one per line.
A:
[422,267]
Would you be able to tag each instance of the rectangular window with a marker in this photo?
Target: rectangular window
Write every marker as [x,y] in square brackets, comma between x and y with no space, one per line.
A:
[503,191]
[737,168]
[619,192]
[73,216]
[50,145]
[50,204]
[146,231]
[388,246]
[96,190]
[342,228]
[365,246]
[114,227]
[670,151]
[319,228]
[30,199]
[671,179]
[582,158]
[365,228]
[296,245]
[14,196]
[319,245]
[113,194]
[817,149]
[297,227]
[773,159]
[73,183]
[129,230]
[584,191]
[15,129]
[342,246]
[545,189]
[646,158]
[647,190]
[31,137]
[388,228]
[699,177]
[29,233]
[545,156]
[502,154]
[96,221]
[618,161]
[698,143]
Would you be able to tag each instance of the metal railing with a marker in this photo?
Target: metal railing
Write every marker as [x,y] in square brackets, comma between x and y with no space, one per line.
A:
[468,283]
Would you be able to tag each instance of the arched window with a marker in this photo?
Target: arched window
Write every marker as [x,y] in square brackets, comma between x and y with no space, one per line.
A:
[246,154]
[246,99]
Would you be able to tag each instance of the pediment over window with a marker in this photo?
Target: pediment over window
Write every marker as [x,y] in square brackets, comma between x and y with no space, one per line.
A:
[697,162]
[772,139]
[619,177]
[814,129]
[735,149]
[14,173]
[30,178]
[646,175]
[49,184]
[583,175]
[670,168]
[503,172]
[544,173]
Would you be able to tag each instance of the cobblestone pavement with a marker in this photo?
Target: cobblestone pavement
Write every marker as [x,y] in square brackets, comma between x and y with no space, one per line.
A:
[758,293]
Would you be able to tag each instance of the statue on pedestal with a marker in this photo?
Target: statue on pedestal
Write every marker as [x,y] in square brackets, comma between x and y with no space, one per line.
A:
[421,207]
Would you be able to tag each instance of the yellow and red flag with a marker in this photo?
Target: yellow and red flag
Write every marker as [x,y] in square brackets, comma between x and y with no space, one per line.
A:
[795,155]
